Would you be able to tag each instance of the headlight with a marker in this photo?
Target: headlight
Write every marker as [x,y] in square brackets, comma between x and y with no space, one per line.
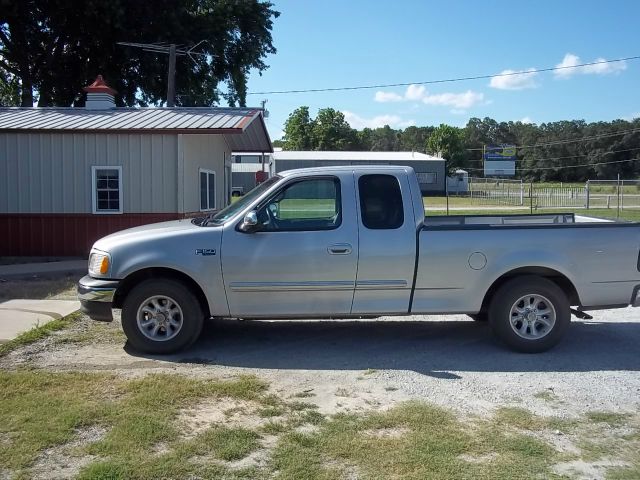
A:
[99,264]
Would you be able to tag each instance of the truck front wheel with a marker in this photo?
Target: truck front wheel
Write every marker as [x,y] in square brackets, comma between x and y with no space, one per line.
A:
[161,316]
[530,314]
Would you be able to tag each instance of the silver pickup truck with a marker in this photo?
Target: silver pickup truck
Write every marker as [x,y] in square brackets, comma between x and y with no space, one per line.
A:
[353,242]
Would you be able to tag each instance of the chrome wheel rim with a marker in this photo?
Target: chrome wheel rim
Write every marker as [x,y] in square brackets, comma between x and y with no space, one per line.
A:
[159,318]
[532,316]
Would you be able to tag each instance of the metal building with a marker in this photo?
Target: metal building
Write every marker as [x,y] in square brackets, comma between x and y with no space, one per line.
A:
[69,176]
[244,167]
[430,170]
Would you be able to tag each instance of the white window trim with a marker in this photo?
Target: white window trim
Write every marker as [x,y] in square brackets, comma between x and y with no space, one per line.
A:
[94,192]
[215,192]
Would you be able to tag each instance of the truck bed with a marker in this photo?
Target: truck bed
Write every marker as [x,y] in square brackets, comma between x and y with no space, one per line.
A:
[536,219]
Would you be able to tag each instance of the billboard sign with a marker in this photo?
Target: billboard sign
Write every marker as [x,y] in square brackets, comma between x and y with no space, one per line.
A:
[500,153]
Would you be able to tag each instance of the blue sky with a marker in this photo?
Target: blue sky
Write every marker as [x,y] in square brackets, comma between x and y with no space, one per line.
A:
[333,43]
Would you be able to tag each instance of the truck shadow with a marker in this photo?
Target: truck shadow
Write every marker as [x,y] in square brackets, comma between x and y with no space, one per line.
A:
[434,348]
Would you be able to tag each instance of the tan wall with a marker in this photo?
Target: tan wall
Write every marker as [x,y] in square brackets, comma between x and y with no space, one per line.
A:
[51,172]
[202,151]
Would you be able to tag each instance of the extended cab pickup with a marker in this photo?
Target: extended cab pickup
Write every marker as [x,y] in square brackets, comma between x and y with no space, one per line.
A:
[354,242]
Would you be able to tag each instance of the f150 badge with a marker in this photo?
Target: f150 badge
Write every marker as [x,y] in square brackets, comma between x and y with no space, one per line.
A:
[205,252]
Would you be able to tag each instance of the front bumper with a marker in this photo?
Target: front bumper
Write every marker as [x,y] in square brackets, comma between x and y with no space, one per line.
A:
[96,297]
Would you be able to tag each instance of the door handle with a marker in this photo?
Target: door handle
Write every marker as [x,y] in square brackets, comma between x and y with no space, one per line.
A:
[339,249]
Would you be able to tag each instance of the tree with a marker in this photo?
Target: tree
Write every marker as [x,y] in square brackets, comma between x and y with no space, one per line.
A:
[447,141]
[330,131]
[297,130]
[384,139]
[9,91]
[55,48]
[414,139]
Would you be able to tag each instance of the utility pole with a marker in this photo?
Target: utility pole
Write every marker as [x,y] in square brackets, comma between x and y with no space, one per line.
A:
[171,77]
[172,50]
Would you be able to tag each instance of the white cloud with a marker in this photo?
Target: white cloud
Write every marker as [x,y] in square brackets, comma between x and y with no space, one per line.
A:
[358,122]
[571,60]
[519,81]
[415,92]
[526,120]
[459,101]
[384,97]
[418,93]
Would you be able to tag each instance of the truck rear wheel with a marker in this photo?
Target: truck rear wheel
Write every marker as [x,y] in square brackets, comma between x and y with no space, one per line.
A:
[530,314]
[161,316]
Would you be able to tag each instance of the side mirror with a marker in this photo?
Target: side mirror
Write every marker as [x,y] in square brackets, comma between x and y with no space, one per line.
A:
[250,222]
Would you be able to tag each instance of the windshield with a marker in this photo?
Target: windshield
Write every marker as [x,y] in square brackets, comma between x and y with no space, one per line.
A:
[235,207]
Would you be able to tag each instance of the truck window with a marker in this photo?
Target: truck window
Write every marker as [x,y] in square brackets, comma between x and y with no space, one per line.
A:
[381,205]
[312,204]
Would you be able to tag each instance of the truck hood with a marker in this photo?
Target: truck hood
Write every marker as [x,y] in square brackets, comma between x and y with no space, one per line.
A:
[144,232]
[164,244]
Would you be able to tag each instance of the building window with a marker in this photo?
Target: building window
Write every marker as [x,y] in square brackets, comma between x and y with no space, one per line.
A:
[427,178]
[207,190]
[381,203]
[107,189]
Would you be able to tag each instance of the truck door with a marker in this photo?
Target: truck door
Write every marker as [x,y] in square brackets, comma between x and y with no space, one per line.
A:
[387,252]
[301,260]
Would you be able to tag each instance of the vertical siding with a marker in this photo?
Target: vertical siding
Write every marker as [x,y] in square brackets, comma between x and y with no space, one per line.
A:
[51,172]
[208,152]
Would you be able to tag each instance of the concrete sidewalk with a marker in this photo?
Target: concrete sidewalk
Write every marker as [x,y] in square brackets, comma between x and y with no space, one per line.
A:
[18,316]
[45,268]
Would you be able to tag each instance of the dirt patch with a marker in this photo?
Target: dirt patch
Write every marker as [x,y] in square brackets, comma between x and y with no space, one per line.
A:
[229,412]
[583,470]
[64,461]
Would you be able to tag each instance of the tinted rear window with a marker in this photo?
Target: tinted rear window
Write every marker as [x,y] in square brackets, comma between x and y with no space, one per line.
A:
[380,202]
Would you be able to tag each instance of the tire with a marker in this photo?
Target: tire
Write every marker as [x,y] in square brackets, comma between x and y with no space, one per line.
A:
[154,301]
[479,317]
[530,314]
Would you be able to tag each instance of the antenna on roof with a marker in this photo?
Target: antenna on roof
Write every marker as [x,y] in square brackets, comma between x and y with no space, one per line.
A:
[172,50]
[265,112]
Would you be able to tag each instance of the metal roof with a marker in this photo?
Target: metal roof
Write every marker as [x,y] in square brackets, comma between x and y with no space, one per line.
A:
[246,121]
[355,156]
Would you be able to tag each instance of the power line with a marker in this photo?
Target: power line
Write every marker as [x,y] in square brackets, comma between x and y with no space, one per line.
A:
[446,80]
[570,156]
[569,166]
[570,140]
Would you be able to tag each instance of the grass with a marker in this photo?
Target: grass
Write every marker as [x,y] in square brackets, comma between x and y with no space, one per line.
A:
[38,333]
[430,443]
[613,419]
[43,410]
[546,395]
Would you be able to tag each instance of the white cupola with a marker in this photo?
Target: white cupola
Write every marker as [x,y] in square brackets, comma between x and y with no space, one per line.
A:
[100,96]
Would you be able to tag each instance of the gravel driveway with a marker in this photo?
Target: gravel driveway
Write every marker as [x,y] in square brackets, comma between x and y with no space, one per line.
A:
[358,365]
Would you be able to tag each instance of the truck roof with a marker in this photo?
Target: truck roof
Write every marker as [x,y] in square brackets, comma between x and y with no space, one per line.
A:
[344,168]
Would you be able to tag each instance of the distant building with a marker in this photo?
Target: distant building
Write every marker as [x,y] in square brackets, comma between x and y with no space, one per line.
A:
[458,182]
[430,170]
[69,176]
[244,169]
